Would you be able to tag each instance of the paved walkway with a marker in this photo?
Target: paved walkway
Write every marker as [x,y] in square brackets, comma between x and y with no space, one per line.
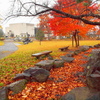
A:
[8,48]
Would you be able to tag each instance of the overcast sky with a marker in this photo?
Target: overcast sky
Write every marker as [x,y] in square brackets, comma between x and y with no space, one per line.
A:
[5,7]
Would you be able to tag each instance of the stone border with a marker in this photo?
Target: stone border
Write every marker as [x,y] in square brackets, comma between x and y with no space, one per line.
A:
[92,73]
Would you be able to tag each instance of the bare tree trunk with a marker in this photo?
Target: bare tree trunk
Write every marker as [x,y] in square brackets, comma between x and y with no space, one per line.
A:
[72,41]
[75,38]
[78,40]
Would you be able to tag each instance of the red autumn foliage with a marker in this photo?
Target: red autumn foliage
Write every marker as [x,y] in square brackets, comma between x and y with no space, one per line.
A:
[63,26]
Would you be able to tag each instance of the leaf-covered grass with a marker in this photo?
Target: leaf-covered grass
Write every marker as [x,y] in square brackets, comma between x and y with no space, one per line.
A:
[22,59]
[1,43]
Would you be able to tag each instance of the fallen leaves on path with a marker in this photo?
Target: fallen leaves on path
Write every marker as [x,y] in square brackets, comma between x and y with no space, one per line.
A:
[61,81]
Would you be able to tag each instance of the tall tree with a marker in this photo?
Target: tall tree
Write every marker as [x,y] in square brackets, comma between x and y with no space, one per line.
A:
[39,35]
[64,26]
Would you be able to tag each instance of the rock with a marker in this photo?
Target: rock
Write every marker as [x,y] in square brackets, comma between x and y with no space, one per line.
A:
[93,81]
[78,74]
[37,74]
[93,70]
[22,76]
[97,46]
[67,59]
[81,93]
[76,52]
[49,57]
[17,86]
[95,52]
[85,56]
[4,93]
[91,46]
[69,96]
[40,75]
[86,52]
[92,66]
[58,63]
[96,66]
[83,65]
[59,80]
[46,64]
[93,63]
[84,59]
[92,73]
[95,97]
[97,72]
[84,48]
[70,55]
[31,69]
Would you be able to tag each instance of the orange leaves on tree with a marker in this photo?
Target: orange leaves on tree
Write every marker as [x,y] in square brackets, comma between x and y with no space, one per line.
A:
[57,25]
[64,26]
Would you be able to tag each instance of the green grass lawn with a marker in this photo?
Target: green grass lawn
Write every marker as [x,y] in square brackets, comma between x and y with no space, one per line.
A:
[21,59]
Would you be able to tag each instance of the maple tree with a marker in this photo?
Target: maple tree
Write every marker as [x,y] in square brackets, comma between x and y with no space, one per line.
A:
[63,26]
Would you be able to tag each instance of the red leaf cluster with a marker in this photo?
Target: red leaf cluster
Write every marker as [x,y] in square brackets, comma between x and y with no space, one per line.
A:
[64,26]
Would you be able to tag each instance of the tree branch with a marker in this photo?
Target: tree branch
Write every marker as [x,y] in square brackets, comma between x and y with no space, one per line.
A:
[81,17]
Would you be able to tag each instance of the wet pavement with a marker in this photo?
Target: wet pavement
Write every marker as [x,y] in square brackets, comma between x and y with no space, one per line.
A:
[8,48]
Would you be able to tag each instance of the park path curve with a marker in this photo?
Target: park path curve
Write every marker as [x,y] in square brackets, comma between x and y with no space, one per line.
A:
[8,48]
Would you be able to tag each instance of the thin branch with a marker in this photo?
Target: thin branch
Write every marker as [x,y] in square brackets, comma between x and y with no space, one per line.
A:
[63,14]
[25,8]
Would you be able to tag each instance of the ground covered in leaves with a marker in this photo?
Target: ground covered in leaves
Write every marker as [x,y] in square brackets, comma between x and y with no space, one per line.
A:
[61,81]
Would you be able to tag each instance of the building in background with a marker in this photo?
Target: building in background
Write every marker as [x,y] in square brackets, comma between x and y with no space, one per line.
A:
[20,29]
